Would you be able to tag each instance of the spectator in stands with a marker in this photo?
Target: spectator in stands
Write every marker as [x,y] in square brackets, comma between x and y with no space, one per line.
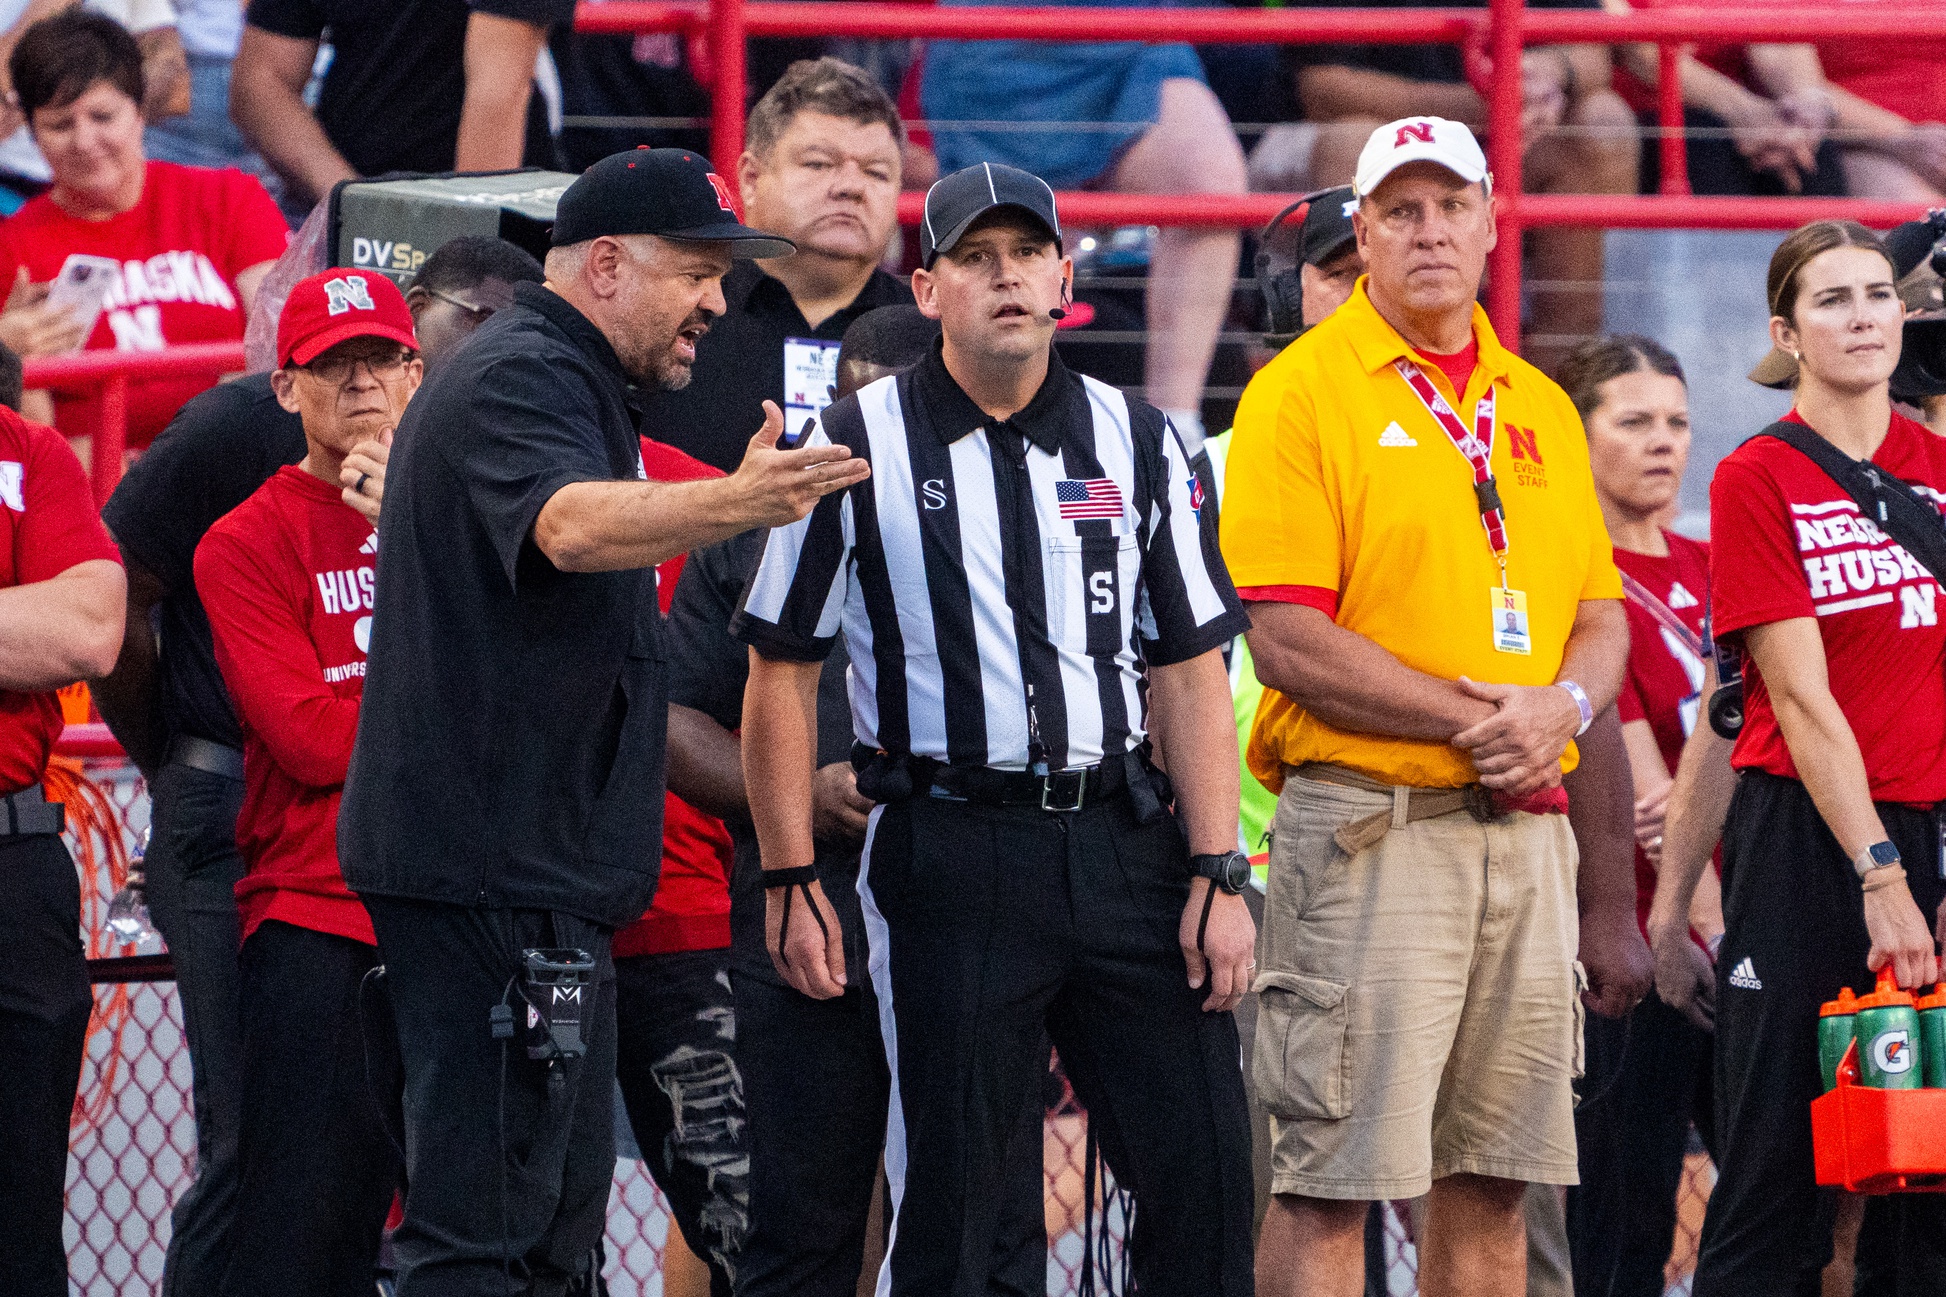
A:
[167,705]
[1831,846]
[1622,1218]
[820,166]
[287,579]
[1389,1050]
[206,136]
[60,621]
[1757,118]
[193,244]
[1127,117]
[1579,137]
[414,85]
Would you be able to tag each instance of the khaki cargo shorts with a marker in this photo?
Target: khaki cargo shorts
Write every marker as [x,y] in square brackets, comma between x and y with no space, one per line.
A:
[1419,999]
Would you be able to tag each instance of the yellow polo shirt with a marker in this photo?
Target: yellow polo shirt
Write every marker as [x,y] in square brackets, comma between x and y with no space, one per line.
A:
[1340,477]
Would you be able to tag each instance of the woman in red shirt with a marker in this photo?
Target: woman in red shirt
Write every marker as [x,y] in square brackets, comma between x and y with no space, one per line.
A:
[190,245]
[1831,852]
[1654,1067]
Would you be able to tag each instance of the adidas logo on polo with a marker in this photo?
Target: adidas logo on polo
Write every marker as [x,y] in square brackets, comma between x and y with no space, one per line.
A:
[1394,435]
[1744,975]
[1680,597]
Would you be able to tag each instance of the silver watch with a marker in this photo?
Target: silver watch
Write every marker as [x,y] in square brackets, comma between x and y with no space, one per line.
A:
[1880,855]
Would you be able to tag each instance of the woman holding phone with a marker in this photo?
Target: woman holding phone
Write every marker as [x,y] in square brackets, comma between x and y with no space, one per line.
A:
[1831,853]
[183,249]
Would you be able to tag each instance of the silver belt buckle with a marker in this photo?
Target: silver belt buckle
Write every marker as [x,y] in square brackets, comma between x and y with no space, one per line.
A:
[1048,803]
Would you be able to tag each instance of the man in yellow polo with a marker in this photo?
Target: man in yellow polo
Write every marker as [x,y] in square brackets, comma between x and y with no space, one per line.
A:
[1436,617]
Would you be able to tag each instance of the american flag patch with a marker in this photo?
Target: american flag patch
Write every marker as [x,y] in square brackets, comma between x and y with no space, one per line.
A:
[1094,497]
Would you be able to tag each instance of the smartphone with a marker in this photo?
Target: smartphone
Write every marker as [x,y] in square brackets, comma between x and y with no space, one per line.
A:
[82,287]
[791,441]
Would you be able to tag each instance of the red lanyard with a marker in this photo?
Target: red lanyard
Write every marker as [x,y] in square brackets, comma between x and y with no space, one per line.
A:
[1477,449]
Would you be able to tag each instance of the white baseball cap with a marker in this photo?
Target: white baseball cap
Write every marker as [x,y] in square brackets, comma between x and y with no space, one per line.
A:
[1420,139]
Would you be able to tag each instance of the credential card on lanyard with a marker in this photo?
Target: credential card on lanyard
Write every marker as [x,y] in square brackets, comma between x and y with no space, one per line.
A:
[810,372]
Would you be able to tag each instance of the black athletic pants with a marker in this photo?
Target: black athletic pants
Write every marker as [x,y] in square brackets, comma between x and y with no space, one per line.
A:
[993,929]
[1648,1077]
[676,1039]
[539,1208]
[816,1087]
[317,1168]
[192,868]
[1796,934]
[44,1005]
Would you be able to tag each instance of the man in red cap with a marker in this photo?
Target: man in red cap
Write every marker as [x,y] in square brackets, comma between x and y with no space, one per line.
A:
[287,579]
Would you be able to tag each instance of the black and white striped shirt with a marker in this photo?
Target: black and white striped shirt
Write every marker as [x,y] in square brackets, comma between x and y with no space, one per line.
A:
[1051,555]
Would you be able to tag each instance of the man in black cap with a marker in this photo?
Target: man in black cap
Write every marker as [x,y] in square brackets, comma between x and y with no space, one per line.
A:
[501,814]
[1023,580]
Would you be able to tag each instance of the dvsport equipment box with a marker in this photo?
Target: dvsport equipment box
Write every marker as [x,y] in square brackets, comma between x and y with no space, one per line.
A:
[392,224]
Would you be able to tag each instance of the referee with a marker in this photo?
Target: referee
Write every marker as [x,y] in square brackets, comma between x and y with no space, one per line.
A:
[1023,579]
[505,790]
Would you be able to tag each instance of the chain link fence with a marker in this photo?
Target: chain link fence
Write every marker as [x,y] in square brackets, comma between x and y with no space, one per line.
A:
[132,1146]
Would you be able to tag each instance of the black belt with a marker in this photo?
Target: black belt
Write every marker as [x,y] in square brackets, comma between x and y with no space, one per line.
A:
[205,755]
[28,813]
[886,778]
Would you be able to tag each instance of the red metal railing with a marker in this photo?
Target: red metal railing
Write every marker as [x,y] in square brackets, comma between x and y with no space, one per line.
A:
[1492,40]
[112,372]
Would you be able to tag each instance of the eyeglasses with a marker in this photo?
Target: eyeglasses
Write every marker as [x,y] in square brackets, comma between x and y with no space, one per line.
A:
[481,313]
[336,370]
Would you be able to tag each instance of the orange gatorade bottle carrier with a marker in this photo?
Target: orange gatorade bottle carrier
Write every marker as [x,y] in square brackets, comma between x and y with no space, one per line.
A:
[1875,1132]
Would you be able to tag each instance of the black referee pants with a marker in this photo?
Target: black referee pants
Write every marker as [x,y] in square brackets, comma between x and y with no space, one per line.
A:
[1795,935]
[318,1170]
[816,1087]
[192,869]
[993,929]
[44,1006]
[508,1160]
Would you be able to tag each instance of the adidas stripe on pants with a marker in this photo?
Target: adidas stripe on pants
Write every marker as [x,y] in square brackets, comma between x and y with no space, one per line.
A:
[1795,935]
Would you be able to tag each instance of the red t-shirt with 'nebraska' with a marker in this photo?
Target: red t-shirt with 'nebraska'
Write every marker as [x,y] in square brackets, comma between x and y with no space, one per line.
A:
[692,900]
[1663,678]
[48,524]
[287,579]
[181,248]
[1786,541]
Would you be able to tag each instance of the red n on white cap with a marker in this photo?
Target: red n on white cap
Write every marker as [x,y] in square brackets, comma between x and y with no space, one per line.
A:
[1420,139]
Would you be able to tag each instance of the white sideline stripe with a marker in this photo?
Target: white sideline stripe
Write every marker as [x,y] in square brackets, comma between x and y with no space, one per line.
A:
[1846,605]
[878,943]
[1827,507]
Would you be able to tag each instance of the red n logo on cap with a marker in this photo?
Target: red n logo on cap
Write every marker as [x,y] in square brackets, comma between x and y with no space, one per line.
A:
[724,198]
[1420,131]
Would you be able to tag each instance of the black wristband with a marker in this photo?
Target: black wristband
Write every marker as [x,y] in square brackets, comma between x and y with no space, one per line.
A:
[800,874]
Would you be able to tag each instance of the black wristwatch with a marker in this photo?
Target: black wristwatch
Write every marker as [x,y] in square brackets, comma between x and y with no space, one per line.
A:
[1230,870]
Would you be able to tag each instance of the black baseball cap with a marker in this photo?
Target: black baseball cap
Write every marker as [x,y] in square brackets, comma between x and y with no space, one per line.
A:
[956,201]
[1327,225]
[671,192]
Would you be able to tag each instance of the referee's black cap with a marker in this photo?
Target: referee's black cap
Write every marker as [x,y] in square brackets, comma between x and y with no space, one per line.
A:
[1327,225]
[956,201]
[675,193]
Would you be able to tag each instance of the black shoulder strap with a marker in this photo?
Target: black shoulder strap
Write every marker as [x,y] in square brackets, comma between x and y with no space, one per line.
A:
[1898,508]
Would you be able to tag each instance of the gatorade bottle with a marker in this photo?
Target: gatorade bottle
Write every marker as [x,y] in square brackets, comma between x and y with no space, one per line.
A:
[1932,1036]
[1888,1037]
[1835,1023]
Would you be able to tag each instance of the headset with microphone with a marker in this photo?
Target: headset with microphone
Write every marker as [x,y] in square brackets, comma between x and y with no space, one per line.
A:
[1283,291]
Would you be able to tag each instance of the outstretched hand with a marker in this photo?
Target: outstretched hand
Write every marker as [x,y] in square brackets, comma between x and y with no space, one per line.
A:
[782,486]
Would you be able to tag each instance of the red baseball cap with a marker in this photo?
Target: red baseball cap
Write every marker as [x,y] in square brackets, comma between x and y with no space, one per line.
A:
[334,305]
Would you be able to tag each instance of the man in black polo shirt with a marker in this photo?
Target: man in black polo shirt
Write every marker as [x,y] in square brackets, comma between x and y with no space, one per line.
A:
[820,166]
[504,795]
[167,705]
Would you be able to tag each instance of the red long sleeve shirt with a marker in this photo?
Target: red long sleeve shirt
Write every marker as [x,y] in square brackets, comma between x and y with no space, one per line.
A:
[287,579]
